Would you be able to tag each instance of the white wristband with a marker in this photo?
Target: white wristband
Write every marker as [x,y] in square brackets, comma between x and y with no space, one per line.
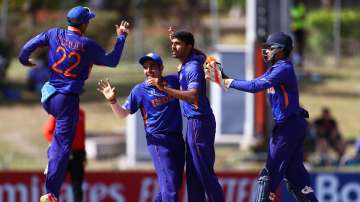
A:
[227,82]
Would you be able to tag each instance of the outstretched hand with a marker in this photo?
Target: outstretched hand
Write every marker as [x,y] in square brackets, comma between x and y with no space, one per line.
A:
[171,31]
[123,28]
[107,90]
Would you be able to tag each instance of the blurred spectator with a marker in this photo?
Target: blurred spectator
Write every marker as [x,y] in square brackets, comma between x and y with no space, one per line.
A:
[309,142]
[355,160]
[38,75]
[298,12]
[5,56]
[328,135]
[5,53]
[77,158]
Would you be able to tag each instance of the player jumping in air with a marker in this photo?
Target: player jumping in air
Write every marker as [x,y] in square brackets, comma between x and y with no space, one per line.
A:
[285,155]
[200,135]
[71,56]
[162,122]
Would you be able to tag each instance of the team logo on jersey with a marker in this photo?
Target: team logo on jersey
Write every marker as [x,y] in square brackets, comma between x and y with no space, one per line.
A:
[161,101]
[307,190]
[270,90]
[156,92]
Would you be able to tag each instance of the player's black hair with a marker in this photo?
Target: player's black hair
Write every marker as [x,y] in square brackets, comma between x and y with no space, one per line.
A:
[287,52]
[185,36]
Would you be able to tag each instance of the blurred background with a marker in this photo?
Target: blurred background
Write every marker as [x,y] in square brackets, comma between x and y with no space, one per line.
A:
[326,56]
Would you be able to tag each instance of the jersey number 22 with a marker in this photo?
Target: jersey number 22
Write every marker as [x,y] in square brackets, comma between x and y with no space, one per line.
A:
[67,72]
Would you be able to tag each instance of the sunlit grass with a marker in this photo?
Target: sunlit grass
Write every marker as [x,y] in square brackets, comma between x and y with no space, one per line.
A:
[339,90]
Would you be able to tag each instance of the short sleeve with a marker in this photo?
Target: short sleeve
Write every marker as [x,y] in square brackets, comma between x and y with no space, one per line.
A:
[194,75]
[173,81]
[133,102]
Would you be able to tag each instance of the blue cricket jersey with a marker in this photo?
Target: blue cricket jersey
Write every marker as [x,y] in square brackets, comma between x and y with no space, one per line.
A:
[282,89]
[71,56]
[161,112]
[191,76]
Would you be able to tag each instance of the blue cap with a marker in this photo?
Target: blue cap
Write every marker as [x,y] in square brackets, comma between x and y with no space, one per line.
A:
[79,15]
[280,39]
[151,56]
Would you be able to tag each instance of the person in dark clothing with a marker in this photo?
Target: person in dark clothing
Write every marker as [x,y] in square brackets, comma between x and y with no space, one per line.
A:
[328,134]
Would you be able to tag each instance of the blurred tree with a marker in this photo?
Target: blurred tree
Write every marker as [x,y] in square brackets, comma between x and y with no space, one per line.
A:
[327,3]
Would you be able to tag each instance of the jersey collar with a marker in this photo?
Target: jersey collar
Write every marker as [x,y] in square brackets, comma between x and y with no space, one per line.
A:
[74,29]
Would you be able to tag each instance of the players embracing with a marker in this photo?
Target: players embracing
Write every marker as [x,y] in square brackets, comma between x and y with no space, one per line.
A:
[200,133]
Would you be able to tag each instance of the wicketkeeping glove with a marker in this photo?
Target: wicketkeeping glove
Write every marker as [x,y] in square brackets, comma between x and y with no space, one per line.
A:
[214,72]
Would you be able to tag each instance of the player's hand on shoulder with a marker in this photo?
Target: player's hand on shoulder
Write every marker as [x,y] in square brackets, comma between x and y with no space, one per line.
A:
[104,86]
[157,82]
[123,28]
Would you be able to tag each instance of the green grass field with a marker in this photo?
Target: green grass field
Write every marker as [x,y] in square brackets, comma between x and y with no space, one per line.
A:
[23,147]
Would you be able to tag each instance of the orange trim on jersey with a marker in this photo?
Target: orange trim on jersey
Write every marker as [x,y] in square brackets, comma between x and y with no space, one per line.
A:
[145,117]
[74,29]
[286,95]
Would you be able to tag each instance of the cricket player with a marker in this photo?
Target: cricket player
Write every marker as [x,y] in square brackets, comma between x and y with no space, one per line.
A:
[285,155]
[71,56]
[200,135]
[162,122]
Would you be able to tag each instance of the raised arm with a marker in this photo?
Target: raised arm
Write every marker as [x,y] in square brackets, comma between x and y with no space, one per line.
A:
[171,31]
[276,76]
[112,59]
[110,94]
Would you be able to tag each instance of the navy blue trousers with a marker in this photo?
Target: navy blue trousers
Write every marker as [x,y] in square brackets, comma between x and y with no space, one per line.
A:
[285,155]
[168,154]
[65,109]
[200,159]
